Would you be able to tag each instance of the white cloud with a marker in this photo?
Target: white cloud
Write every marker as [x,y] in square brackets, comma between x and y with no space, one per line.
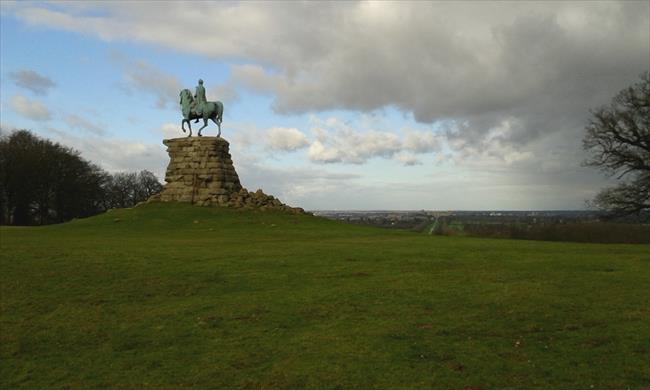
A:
[422,141]
[286,139]
[115,154]
[243,135]
[337,142]
[408,159]
[31,109]
[347,146]
[445,189]
[77,122]
[319,153]
[222,92]
[33,81]
[296,186]
[333,141]
[171,130]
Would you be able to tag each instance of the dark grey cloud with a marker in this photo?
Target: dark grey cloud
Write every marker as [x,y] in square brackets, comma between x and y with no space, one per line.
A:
[33,81]
[539,66]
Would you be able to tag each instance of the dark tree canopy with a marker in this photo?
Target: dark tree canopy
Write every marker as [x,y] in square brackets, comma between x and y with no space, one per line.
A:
[44,182]
[618,138]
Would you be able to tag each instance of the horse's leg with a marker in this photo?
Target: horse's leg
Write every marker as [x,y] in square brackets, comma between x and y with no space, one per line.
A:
[218,125]
[189,126]
[183,122]
[205,124]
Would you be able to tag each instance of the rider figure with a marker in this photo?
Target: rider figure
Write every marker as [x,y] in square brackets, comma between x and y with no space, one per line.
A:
[199,99]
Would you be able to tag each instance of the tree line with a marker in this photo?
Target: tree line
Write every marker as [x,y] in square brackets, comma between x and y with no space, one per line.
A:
[43,182]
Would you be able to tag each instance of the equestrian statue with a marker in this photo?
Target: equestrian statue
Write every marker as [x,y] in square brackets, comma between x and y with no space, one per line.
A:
[197,107]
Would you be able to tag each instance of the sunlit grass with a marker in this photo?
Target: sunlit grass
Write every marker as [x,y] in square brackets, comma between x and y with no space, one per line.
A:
[166,296]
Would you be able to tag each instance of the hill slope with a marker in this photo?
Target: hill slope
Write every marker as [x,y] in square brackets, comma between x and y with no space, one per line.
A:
[168,295]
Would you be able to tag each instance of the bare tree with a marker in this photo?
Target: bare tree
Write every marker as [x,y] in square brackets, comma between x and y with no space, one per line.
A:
[126,189]
[148,185]
[618,137]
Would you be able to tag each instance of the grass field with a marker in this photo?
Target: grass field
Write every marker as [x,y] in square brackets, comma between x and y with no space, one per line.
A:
[169,296]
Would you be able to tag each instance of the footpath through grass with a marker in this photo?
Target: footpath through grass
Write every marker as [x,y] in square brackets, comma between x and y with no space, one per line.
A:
[168,296]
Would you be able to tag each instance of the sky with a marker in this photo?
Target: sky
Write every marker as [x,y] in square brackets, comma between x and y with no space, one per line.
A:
[336,105]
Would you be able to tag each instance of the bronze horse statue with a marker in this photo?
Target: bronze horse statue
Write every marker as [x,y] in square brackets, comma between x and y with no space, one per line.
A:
[211,110]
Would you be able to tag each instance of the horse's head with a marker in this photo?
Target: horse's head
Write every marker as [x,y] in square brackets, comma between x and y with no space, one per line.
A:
[186,95]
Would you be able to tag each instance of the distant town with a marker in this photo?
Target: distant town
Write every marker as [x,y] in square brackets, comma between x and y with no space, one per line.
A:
[553,225]
[423,219]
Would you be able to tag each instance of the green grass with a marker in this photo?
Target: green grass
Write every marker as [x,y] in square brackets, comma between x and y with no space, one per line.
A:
[169,296]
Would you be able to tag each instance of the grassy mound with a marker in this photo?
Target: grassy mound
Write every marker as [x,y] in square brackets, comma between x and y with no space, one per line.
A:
[167,296]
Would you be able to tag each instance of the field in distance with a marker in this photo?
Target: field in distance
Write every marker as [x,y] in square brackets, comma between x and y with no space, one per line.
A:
[167,296]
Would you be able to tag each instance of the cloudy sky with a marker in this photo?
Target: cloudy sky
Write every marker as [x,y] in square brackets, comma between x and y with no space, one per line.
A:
[336,105]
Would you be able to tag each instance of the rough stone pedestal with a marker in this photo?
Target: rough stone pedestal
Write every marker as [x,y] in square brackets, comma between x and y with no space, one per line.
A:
[201,172]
